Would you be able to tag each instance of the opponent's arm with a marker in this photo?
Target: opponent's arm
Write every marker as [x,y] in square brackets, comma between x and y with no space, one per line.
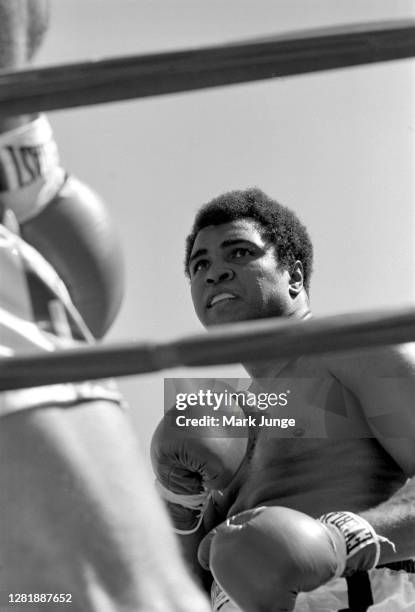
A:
[64,220]
[384,383]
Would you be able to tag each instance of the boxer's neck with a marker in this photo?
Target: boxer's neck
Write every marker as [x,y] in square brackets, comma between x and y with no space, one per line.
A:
[270,368]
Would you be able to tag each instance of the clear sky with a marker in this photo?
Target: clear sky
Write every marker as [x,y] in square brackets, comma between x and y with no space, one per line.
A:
[338,147]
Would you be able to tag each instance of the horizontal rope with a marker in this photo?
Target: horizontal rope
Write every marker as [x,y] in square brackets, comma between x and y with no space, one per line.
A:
[238,343]
[111,80]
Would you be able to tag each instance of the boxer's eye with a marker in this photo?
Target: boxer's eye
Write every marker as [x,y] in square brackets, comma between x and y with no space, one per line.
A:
[201,264]
[241,252]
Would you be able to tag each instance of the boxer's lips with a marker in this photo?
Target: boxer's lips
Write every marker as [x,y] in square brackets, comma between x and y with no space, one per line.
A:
[219,298]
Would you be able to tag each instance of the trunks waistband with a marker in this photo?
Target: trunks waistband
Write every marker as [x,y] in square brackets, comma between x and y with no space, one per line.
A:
[408,565]
[60,395]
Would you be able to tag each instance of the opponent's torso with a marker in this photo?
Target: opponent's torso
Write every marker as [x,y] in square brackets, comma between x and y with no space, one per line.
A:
[60,530]
[331,458]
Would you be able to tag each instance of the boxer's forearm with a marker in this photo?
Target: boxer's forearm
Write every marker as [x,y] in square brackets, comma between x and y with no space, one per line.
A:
[395,519]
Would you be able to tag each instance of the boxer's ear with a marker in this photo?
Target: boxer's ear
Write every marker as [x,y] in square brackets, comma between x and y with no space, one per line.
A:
[296,282]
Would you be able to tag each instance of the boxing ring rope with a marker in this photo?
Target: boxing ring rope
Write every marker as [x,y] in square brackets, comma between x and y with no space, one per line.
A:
[236,343]
[111,80]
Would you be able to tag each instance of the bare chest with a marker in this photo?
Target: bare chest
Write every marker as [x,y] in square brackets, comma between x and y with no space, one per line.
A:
[329,454]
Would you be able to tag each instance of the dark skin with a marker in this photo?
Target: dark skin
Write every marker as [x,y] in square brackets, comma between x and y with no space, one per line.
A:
[371,472]
[234,258]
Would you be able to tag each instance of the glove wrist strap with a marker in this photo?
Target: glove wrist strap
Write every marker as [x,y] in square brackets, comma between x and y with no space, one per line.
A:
[355,534]
[30,170]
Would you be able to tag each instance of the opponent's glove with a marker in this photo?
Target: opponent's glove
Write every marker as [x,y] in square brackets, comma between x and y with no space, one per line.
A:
[264,557]
[193,462]
[33,291]
[64,220]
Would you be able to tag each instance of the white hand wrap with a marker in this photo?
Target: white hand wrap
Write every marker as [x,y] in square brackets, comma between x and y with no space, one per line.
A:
[30,172]
[197,501]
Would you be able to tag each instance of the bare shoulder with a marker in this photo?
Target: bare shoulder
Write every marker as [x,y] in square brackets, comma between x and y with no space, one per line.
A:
[383,382]
[387,361]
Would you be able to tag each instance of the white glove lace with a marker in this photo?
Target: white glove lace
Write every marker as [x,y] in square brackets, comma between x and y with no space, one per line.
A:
[197,501]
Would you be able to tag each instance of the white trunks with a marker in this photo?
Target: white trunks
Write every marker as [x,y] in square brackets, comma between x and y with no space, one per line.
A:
[393,591]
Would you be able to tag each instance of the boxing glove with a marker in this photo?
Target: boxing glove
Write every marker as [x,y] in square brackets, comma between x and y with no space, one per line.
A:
[264,557]
[192,462]
[64,220]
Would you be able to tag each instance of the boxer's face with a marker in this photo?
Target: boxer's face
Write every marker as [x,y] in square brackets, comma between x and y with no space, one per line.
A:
[235,275]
